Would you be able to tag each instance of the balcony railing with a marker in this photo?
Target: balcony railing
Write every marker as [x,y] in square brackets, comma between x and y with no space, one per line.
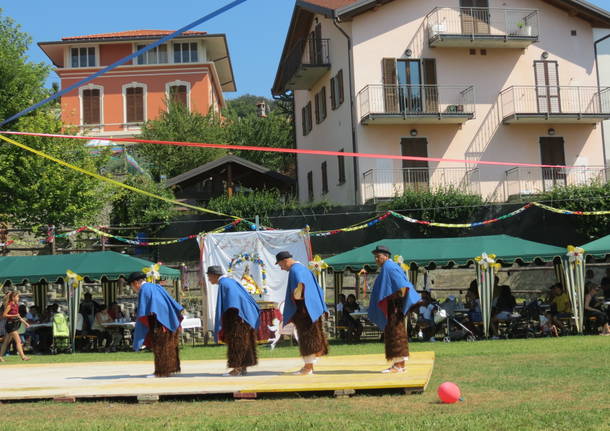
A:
[389,183]
[521,181]
[306,63]
[415,103]
[558,103]
[482,27]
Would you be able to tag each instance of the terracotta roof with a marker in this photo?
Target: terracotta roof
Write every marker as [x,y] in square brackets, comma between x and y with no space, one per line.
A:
[132,33]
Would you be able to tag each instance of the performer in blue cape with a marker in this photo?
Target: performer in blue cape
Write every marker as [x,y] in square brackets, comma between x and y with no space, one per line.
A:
[237,318]
[392,297]
[157,324]
[304,305]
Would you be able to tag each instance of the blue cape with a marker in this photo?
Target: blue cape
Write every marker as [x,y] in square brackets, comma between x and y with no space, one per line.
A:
[231,294]
[314,297]
[390,280]
[154,299]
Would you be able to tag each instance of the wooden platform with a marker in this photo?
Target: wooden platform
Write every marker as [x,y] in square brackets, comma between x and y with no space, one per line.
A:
[337,375]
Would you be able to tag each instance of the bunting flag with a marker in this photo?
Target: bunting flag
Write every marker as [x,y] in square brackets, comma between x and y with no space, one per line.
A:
[570,212]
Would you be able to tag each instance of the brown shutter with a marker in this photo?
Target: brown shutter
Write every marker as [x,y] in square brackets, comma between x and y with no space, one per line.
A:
[339,82]
[430,88]
[333,93]
[178,94]
[135,104]
[547,86]
[317,108]
[390,90]
[91,106]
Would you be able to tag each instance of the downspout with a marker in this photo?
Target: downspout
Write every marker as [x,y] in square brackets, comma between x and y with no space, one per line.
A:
[352,96]
[599,89]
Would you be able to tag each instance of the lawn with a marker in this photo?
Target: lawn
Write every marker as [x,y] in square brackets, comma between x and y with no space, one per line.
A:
[537,384]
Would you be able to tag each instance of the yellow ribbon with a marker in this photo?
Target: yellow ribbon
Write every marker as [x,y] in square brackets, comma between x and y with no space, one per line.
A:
[73,278]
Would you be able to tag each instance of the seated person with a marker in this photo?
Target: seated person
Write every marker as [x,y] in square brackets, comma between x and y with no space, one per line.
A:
[560,304]
[593,309]
[502,308]
[425,319]
[102,333]
[339,307]
[546,325]
[88,308]
[115,311]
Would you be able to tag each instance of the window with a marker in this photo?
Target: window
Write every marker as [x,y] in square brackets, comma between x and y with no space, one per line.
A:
[186,52]
[321,105]
[135,103]
[178,92]
[310,186]
[306,119]
[341,162]
[83,57]
[336,90]
[91,103]
[324,178]
[157,55]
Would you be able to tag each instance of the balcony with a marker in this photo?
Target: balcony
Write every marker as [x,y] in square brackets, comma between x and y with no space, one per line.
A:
[308,61]
[415,104]
[541,104]
[380,184]
[482,27]
[521,181]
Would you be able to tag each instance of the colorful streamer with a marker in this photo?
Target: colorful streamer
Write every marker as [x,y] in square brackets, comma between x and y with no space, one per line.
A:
[570,212]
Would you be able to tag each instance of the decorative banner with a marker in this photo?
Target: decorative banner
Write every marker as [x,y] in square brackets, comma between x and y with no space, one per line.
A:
[246,279]
[570,212]
[73,279]
[317,265]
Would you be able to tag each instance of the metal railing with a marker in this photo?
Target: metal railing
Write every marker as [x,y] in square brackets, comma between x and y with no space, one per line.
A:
[520,181]
[480,22]
[553,99]
[389,183]
[311,51]
[416,100]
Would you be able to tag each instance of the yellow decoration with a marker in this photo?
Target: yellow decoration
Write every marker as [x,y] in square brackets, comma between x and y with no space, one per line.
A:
[575,254]
[317,264]
[73,278]
[152,273]
[401,261]
[486,261]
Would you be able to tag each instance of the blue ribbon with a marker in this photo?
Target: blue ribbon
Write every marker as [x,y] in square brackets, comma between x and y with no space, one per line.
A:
[124,60]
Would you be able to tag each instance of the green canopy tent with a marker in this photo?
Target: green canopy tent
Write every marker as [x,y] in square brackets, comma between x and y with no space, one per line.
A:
[450,252]
[600,248]
[106,266]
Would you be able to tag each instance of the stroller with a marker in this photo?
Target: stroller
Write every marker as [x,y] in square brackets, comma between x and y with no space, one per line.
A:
[454,329]
[61,335]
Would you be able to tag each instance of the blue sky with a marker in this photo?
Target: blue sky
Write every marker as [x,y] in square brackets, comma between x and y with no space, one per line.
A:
[255,30]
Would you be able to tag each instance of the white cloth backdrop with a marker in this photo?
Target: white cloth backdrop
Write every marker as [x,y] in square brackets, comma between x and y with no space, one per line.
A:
[221,248]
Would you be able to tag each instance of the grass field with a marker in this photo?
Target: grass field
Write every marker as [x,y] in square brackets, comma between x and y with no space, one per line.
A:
[538,384]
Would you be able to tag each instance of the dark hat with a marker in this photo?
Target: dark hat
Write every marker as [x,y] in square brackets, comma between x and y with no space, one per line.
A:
[281,256]
[382,249]
[134,276]
[214,270]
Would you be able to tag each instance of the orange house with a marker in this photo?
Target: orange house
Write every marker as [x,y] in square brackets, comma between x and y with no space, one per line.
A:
[194,68]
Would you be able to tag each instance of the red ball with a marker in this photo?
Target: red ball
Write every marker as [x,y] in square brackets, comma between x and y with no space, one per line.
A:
[449,392]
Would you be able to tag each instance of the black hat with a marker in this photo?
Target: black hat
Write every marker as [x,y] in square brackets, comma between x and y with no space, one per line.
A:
[382,249]
[281,256]
[134,276]
[214,270]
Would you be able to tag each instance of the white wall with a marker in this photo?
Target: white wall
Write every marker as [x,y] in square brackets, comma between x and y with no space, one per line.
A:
[603,59]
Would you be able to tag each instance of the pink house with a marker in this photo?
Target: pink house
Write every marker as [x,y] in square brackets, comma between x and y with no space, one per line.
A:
[476,80]
[194,69]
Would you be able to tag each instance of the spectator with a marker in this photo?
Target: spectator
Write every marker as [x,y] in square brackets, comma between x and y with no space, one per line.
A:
[12,325]
[546,325]
[339,306]
[88,308]
[560,304]
[425,319]
[99,330]
[115,312]
[502,308]
[354,325]
[593,309]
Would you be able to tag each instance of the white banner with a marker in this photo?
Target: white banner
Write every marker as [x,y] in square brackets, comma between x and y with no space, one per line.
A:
[260,247]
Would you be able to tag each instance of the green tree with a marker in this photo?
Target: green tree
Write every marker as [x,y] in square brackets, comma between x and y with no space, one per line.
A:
[37,191]
[21,81]
[178,124]
[244,106]
[131,208]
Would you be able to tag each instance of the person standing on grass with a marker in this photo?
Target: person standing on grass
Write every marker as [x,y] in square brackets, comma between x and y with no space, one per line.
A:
[392,297]
[304,305]
[13,323]
[237,317]
[157,324]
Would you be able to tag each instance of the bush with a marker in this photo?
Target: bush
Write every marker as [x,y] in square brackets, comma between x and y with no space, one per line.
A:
[595,197]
